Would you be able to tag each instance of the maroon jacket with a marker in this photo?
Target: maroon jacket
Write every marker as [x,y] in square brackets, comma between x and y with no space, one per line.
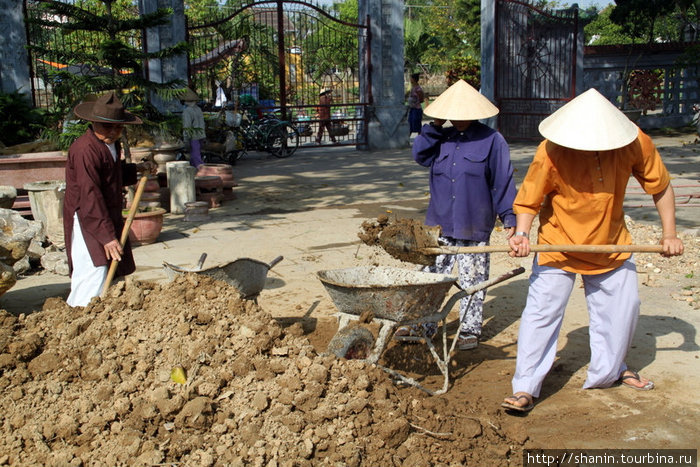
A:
[324,107]
[94,184]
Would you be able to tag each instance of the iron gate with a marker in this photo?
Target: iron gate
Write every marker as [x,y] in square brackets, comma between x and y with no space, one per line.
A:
[535,65]
[276,56]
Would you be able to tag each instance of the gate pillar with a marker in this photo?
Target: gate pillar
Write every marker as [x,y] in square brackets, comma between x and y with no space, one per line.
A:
[488,21]
[14,61]
[159,38]
[387,113]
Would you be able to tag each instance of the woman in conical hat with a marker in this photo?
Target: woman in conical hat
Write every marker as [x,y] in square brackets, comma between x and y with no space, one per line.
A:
[577,183]
[193,127]
[471,184]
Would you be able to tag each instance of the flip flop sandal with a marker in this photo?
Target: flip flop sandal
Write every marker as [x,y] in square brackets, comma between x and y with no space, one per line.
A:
[467,342]
[635,376]
[525,408]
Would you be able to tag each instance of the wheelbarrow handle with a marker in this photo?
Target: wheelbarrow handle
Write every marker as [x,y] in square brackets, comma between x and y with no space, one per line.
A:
[200,263]
[488,283]
[275,261]
[465,293]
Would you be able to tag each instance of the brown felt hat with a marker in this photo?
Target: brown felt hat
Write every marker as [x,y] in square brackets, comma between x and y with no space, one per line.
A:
[589,122]
[106,109]
[461,102]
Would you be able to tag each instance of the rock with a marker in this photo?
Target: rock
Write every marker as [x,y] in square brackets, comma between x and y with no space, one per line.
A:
[55,262]
[22,265]
[8,277]
[8,195]
[16,233]
[35,250]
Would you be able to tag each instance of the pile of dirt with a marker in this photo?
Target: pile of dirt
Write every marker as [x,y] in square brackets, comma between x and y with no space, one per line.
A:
[92,386]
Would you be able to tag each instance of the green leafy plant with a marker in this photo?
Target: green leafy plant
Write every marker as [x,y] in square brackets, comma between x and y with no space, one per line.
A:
[464,67]
[97,46]
[64,138]
[20,122]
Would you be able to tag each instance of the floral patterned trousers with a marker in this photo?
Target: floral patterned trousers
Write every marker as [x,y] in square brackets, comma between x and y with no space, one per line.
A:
[473,269]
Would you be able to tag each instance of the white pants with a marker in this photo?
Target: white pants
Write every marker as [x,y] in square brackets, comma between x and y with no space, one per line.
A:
[613,310]
[87,279]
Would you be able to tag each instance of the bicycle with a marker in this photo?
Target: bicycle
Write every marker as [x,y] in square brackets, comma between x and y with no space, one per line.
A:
[280,138]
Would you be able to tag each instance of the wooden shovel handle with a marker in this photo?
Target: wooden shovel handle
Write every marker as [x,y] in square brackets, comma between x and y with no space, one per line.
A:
[125,231]
[455,250]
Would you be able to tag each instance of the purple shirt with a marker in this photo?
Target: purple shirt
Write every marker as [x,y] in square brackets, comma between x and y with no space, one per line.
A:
[471,180]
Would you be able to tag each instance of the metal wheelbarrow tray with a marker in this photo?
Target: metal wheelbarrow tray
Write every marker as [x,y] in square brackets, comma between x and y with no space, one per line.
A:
[396,297]
[247,275]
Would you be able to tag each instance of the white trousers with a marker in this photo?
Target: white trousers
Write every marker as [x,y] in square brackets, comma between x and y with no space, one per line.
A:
[87,279]
[613,310]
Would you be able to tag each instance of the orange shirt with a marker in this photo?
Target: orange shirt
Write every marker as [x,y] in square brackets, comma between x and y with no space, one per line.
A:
[579,196]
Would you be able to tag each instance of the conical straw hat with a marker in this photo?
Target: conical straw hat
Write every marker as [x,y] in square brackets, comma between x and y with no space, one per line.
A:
[590,122]
[461,102]
[189,96]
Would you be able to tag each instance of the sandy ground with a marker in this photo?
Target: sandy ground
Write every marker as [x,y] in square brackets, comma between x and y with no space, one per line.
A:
[309,209]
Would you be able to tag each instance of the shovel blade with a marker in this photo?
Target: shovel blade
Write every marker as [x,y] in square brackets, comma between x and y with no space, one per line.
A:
[404,238]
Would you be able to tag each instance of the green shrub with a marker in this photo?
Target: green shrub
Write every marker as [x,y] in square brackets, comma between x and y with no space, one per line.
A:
[464,67]
[20,122]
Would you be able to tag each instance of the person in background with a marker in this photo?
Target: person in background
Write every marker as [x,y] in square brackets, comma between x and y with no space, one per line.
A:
[415,105]
[193,127]
[325,100]
[92,207]
[577,182]
[471,184]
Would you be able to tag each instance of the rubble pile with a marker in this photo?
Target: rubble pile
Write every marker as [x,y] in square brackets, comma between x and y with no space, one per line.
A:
[92,386]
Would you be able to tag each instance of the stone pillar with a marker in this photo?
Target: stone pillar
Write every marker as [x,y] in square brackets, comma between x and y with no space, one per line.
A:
[160,37]
[14,61]
[181,183]
[488,59]
[388,124]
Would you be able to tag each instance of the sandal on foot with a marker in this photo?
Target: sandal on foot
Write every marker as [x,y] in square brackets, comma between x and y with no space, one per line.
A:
[467,342]
[510,403]
[633,375]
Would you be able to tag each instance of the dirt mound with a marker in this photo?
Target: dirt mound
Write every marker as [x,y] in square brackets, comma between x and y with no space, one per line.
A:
[92,386]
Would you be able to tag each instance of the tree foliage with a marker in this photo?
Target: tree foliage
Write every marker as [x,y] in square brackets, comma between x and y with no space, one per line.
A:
[602,31]
[438,32]
[328,55]
[20,121]
[96,46]
[647,21]
[644,22]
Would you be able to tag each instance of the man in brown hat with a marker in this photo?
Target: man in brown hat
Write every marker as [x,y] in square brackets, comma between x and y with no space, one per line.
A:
[92,208]
[577,183]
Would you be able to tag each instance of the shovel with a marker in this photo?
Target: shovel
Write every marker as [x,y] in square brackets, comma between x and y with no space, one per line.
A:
[419,244]
[125,231]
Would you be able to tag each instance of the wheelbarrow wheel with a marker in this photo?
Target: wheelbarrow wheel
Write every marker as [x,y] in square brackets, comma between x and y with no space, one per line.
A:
[352,342]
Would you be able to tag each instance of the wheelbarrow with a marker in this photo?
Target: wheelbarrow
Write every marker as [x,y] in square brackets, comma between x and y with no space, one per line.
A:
[394,297]
[247,275]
